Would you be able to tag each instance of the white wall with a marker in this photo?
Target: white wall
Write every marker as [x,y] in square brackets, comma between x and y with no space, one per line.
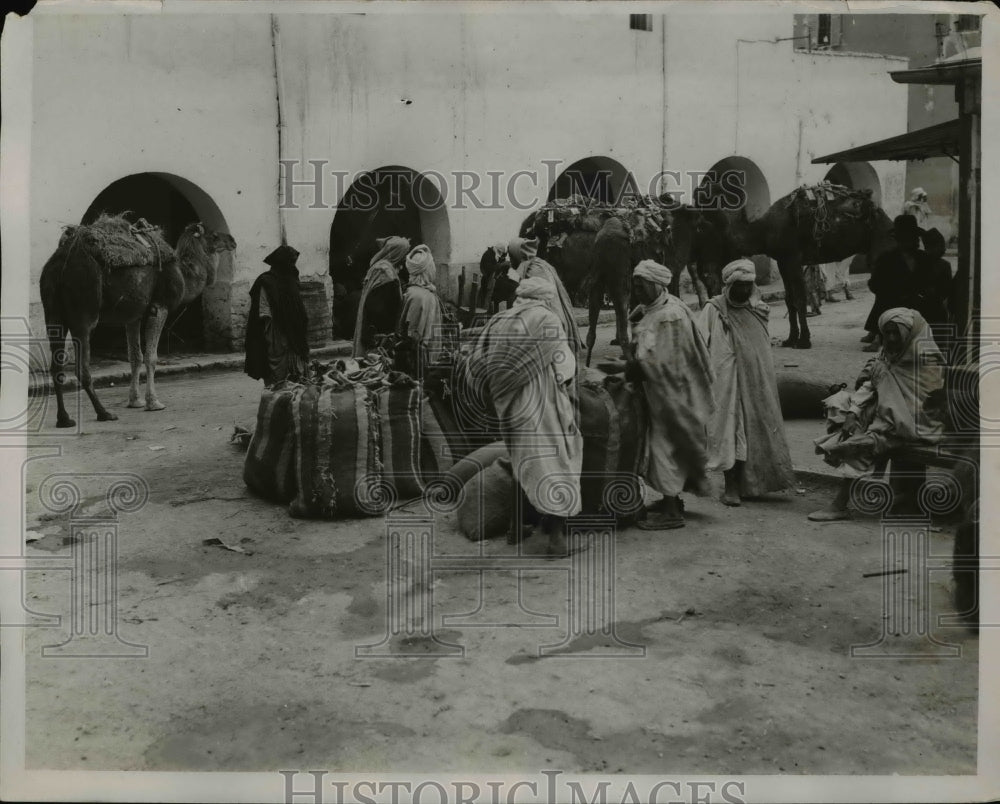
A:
[775,106]
[194,96]
[117,95]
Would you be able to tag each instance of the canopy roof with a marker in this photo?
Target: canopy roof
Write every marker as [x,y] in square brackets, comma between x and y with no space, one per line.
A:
[939,140]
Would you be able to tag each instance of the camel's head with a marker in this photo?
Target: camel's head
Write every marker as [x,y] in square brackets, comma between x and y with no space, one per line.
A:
[208,244]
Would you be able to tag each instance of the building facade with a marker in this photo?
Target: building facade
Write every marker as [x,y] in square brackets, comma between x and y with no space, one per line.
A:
[922,39]
[180,116]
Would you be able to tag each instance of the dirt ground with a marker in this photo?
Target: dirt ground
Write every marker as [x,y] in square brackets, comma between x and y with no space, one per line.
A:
[730,650]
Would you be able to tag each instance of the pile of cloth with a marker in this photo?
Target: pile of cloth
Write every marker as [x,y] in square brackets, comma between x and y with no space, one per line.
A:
[351,439]
[120,243]
[644,219]
[821,205]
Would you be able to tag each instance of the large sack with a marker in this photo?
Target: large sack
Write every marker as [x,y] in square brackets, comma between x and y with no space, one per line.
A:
[473,463]
[613,422]
[801,397]
[485,510]
[336,449]
[358,450]
[269,466]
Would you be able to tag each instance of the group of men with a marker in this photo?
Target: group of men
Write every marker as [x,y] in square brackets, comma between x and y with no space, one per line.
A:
[708,378]
[277,347]
[709,384]
[912,277]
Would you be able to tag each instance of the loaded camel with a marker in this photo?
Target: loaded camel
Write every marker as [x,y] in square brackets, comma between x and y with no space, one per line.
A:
[594,263]
[79,288]
[796,231]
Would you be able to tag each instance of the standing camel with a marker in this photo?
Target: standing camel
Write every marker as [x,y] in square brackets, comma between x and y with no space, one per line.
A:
[592,264]
[79,289]
[795,235]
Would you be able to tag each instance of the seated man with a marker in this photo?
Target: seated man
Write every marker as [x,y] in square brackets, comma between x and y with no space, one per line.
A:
[887,409]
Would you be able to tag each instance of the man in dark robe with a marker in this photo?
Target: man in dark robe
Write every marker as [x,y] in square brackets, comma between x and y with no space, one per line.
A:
[895,276]
[277,346]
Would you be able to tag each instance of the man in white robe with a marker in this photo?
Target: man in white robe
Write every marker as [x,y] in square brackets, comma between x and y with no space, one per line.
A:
[421,321]
[523,362]
[671,360]
[747,432]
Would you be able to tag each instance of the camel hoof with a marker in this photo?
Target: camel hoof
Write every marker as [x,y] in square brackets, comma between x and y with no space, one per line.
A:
[803,344]
[155,404]
[135,403]
[67,422]
[106,417]
[789,342]
[615,342]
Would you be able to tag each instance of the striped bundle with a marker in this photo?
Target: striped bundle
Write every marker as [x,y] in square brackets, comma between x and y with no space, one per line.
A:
[351,444]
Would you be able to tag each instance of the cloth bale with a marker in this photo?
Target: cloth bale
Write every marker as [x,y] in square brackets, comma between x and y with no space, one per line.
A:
[485,510]
[337,462]
[407,453]
[613,422]
[269,465]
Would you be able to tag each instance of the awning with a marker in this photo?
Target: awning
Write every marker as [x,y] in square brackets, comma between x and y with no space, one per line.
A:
[939,140]
[949,71]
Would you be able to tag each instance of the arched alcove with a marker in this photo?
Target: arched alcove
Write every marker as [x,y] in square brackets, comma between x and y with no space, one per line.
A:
[856,176]
[599,177]
[390,200]
[737,176]
[170,202]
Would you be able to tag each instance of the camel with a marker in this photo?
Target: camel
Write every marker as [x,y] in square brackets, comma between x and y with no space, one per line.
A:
[592,264]
[78,289]
[789,233]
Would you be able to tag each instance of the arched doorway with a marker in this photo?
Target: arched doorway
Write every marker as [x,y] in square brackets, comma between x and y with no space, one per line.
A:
[170,202]
[733,186]
[598,177]
[390,200]
[856,176]
[735,178]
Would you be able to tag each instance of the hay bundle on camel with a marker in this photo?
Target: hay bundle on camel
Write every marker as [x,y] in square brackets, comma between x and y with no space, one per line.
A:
[120,243]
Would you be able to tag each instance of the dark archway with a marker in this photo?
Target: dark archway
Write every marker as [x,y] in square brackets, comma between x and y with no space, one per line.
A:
[738,175]
[856,176]
[171,203]
[390,200]
[598,177]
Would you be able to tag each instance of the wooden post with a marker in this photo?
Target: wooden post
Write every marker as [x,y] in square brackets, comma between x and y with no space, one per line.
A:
[474,299]
[461,290]
[968,302]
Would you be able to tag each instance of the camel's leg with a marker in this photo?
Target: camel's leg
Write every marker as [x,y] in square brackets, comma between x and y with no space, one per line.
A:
[57,349]
[799,283]
[86,381]
[133,334]
[620,297]
[787,269]
[699,288]
[155,320]
[594,311]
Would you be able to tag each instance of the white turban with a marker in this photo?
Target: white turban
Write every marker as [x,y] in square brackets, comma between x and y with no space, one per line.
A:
[654,272]
[739,271]
[520,249]
[419,261]
[536,287]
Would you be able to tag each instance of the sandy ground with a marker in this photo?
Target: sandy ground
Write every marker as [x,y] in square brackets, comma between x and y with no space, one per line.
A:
[730,650]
